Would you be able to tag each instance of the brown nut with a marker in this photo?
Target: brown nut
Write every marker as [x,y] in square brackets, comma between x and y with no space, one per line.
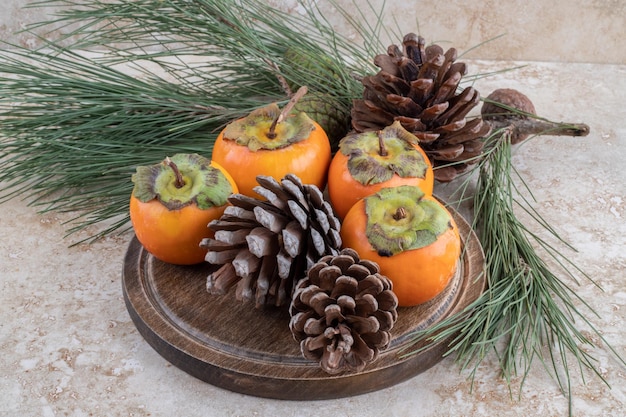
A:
[511,99]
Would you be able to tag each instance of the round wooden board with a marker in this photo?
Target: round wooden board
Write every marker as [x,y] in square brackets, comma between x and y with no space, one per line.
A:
[237,347]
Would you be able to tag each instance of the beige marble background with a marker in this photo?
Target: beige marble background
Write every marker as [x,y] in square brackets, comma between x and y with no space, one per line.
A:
[590,31]
[69,347]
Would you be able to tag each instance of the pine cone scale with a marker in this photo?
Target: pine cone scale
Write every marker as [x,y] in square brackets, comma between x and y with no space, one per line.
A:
[416,126]
[433,112]
[451,127]
[449,153]
[470,133]
[421,89]
[220,281]
[461,105]
[404,105]
[447,89]
[261,242]
[221,256]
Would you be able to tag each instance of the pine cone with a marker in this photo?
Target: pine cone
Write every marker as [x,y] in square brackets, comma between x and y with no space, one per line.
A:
[418,86]
[342,312]
[266,246]
[329,112]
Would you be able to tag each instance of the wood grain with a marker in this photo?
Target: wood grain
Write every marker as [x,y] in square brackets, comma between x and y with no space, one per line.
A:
[237,347]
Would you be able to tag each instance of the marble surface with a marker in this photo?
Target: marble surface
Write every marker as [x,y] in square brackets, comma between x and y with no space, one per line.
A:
[560,30]
[69,347]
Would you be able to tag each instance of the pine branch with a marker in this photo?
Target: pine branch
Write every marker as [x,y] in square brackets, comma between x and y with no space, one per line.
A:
[137,80]
[527,304]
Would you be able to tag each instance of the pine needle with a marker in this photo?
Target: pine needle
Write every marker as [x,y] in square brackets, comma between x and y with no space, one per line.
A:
[80,113]
[528,311]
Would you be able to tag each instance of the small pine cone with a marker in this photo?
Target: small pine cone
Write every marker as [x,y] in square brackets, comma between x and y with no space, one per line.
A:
[330,112]
[266,246]
[417,85]
[342,312]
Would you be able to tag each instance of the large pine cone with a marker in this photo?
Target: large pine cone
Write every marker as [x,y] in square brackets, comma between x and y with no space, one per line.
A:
[418,86]
[266,246]
[342,312]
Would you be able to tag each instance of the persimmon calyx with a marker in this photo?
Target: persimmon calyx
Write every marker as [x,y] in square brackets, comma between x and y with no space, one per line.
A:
[202,184]
[375,156]
[258,130]
[401,219]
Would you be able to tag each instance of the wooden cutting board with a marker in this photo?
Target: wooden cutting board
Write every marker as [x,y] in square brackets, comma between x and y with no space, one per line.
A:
[237,347]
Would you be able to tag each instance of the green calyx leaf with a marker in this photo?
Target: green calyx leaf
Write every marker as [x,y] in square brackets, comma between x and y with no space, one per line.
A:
[375,156]
[201,184]
[255,130]
[401,219]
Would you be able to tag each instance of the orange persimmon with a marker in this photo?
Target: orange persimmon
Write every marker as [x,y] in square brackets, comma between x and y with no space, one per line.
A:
[411,236]
[370,161]
[257,145]
[173,202]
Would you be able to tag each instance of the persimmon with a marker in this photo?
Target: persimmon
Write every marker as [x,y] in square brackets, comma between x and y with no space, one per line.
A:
[274,143]
[370,161]
[173,202]
[411,236]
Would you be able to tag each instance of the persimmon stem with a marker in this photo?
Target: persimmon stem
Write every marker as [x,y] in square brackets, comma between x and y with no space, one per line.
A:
[382,149]
[285,111]
[399,214]
[180,181]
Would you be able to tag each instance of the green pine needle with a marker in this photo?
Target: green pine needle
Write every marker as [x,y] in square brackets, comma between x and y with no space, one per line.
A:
[526,306]
[76,124]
